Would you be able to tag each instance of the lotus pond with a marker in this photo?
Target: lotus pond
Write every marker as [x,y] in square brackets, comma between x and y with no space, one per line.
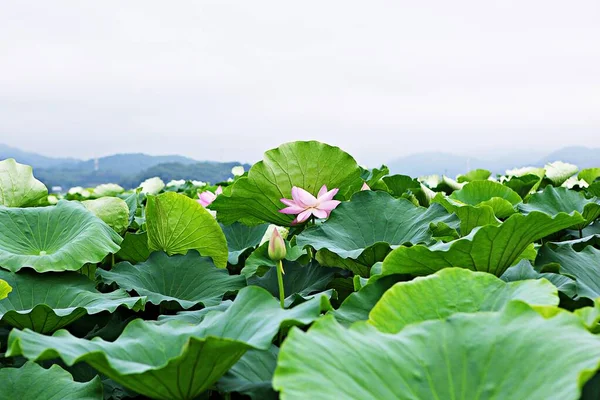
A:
[306,277]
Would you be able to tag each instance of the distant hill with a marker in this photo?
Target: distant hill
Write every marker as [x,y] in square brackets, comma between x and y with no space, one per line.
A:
[451,165]
[33,159]
[128,170]
[127,163]
[583,157]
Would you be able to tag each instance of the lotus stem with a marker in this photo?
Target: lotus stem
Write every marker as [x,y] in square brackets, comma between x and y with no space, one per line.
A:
[280,281]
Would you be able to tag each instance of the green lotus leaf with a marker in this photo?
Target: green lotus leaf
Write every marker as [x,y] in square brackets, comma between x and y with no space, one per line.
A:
[308,165]
[590,316]
[134,248]
[589,174]
[107,190]
[500,198]
[300,281]
[582,265]
[196,316]
[32,382]
[488,248]
[252,375]
[507,355]
[470,216]
[519,172]
[5,289]
[474,175]
[59,238]
[524,185]
[525,271]
[188,279]
[50,301]
[558,172]
[173,360]
[177,224]
[18,187]
[554,200]
[112,210]
[451,291]
[241,237]
[358,305]
[370,219]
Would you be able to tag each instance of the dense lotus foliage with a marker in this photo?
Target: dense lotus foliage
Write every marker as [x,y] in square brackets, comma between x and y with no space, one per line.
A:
[305,277]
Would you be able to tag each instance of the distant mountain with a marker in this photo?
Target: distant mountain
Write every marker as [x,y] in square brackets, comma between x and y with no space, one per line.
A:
[583,157]
[127,163]
[33,159]
[452,165]
[128,170]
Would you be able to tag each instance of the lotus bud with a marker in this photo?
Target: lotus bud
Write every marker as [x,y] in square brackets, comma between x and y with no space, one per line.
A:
[365,186]
[277,249]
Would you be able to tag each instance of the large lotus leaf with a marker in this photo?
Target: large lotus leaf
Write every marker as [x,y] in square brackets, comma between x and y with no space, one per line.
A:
[299,281]
[177,224]
[507,355]
[112,210]
[134,248]
[589,174]
[372,218]
[500,198]
[173,360]
[488,248]
[32,382]
[107,190]
[50,301]
[252,375]
[241,237]
[450,291]
[470,216]
[18,187]
[358,305]
[308,165]
[558,172]
[59,238]
[196,316]
[525,271]
[554,200]
[186,279]
[474,175]
[583,266]
[525,184]
[5,289]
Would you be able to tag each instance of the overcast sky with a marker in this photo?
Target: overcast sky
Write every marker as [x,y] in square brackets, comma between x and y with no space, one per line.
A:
[226,80]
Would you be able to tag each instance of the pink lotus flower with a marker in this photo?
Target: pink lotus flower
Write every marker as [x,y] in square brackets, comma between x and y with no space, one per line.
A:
[207,197]
[365,187]
[304,204]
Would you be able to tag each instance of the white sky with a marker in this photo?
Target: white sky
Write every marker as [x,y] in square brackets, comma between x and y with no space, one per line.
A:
[226,80]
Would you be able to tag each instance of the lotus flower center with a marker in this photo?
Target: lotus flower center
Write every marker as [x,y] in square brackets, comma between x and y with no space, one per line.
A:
[43,253]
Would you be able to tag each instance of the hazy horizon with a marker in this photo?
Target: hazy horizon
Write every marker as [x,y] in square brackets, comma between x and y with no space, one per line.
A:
[222,80]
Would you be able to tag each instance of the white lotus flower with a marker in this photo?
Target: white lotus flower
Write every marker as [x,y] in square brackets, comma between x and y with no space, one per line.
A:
[238,170]
[152,185]
[282,231]
[174,182]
